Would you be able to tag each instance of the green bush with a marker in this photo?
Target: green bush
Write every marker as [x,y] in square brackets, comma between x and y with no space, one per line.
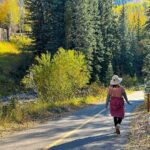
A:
[58,78]
[11,112]
[146,67]
[129,81]
[1,111]
[21,41]
[96,89]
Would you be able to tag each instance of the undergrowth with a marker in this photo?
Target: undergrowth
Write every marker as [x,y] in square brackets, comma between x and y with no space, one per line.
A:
[13,64]
[18,115]
[139,135]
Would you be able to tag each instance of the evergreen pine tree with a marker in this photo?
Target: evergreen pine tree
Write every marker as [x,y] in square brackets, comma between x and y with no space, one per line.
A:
[69,17]
[146,68]
[106,15]
[37,21]
[98,53]
[147,25]
[55,25]
[126,54]
[80,17]
[135,47]
[47,21]
[109,73]
[116,46]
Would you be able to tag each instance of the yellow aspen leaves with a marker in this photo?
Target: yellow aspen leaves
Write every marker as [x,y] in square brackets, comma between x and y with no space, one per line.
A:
[9,11]
[135,14]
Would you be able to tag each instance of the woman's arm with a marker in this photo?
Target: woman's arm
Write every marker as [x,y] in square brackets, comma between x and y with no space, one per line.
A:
[125,97]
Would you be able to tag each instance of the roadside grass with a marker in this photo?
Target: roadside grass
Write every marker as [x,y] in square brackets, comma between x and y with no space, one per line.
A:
[139,135]
[17,116]
[21,115]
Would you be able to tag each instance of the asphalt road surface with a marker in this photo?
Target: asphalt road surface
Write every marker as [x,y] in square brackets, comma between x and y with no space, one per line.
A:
[87,129]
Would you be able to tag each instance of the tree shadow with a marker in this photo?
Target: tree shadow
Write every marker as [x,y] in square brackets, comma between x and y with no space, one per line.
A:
[47,132]
[85,141]
[12,69]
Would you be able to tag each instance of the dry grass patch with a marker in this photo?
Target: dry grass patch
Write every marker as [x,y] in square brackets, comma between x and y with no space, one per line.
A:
[139,136]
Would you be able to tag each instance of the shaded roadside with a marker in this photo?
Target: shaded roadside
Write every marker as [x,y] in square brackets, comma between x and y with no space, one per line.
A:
[139,133]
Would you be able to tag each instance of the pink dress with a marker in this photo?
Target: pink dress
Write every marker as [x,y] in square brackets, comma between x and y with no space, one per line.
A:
[117,102]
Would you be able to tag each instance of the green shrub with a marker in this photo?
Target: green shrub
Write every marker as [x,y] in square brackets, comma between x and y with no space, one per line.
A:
[97,90]
[94,89]
[129,81]
[12,112]
[1,111]
[146,67]
[58,78]
[21,41]
[7,109]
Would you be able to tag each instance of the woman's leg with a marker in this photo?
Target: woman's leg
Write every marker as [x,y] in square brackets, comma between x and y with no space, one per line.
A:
[119,120]
[115,121]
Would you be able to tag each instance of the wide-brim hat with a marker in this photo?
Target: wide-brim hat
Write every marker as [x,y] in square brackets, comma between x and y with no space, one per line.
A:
[115,80]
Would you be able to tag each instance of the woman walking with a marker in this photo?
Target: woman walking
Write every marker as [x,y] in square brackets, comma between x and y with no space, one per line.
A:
[115,96]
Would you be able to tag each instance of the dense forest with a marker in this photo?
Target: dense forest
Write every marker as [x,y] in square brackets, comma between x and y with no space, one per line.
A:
[112,35]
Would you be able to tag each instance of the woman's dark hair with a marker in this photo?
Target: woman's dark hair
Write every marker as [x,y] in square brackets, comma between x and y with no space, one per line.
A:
[115,86]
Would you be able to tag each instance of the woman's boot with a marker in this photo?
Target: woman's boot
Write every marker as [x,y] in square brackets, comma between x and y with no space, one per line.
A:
[118,129]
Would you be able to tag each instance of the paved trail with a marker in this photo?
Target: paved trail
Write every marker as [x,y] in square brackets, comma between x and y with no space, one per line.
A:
[88,129]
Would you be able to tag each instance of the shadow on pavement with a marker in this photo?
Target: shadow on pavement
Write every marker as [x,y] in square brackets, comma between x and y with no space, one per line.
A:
[81,142]
[56,128]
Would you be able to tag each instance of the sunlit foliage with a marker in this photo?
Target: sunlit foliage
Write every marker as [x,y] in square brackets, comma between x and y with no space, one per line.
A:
[58,78]
[4,9]
[8,48]
[9,12]
[135,14]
